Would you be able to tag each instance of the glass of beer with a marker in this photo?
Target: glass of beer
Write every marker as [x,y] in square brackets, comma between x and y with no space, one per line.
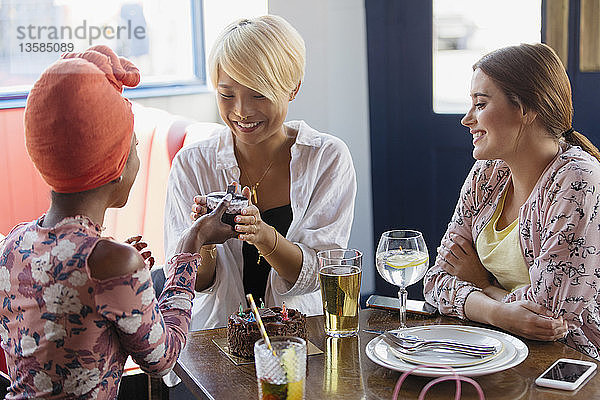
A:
[339,275]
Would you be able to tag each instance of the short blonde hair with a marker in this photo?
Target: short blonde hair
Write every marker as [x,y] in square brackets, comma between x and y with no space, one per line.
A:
[265,54]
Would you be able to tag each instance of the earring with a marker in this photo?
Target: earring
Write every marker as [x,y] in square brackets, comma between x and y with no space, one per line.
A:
[295,91]
[118,180]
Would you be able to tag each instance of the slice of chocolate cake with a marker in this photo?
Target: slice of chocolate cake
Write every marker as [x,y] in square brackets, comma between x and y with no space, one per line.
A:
[243,331]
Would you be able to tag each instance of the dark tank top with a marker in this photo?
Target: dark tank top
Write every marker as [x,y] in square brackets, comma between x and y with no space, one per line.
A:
[255,276]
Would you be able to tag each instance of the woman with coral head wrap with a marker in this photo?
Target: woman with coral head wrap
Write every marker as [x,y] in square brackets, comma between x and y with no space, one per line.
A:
[76,304]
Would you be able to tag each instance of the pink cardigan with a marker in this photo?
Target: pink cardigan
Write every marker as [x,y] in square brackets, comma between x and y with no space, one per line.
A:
[559,231]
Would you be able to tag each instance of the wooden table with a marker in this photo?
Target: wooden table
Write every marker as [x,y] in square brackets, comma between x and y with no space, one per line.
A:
[344,371]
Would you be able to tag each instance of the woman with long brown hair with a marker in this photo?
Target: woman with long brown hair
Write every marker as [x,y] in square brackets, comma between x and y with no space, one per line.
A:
[521,251]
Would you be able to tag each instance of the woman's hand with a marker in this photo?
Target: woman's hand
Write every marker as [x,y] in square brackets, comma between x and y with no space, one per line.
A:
[530,320]
[251,227]
[199,207]
[136,241]
[460,259]
[207,229]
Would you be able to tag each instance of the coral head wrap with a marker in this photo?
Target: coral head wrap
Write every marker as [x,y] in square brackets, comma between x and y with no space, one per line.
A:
[78,127]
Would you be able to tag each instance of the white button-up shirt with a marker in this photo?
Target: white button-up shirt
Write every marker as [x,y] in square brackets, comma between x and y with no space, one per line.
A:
[322,193]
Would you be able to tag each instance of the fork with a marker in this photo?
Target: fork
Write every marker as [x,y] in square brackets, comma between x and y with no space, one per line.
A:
[417,340]
[410,348]
[411,340]
[413,350]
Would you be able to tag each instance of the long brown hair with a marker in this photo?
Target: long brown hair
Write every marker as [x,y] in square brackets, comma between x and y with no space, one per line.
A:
[533,75]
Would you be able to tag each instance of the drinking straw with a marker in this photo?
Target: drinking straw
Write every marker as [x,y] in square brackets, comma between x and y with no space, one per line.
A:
[261,327]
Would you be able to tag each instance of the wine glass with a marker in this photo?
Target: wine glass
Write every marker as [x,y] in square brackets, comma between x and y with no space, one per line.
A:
[402,259]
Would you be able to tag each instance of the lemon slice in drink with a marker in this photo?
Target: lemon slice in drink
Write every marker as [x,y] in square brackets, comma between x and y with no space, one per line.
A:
[401,261]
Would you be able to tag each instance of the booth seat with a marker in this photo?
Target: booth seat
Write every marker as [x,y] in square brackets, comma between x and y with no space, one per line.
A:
[25,196]
[23,193]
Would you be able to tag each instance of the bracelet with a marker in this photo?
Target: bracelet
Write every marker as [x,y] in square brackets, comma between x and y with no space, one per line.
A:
[272,251]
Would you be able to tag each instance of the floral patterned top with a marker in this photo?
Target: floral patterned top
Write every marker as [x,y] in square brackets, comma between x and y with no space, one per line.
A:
[66,334]
[559,233]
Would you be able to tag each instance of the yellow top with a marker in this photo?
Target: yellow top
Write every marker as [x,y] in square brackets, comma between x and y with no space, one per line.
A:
[500,252]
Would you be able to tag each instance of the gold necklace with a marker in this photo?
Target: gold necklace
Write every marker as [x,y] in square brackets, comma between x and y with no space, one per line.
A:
[253,188]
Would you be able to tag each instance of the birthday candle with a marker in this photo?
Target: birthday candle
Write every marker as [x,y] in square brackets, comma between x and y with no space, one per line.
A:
[284,312]
[241,311]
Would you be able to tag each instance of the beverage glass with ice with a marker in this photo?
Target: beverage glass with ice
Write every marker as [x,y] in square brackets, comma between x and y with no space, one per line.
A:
[402,259]
[281,376]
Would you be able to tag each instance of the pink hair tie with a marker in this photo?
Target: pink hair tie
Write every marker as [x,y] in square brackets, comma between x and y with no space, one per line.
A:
[454,376]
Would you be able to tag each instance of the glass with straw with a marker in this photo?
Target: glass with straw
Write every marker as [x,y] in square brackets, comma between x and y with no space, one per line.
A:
[280,363]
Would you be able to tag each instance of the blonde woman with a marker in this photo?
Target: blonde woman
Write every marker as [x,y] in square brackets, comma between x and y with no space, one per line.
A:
[522,249]
[301,183]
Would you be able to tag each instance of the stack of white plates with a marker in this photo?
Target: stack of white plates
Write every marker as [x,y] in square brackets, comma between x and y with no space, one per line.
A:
[510,351]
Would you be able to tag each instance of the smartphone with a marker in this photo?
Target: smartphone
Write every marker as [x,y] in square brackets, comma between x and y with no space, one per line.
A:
[393,303]
[566,374]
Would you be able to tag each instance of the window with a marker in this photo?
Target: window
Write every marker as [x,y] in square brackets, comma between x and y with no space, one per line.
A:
[589,37]
[163,38]
[465,30]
